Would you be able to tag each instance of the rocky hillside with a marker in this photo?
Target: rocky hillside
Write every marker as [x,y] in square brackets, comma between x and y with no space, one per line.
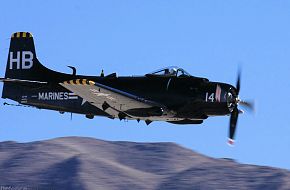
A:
[86,163]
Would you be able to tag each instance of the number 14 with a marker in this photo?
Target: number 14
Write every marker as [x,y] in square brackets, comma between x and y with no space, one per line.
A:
[209,97]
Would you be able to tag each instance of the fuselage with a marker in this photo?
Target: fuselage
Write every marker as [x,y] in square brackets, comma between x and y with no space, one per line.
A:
[190,97]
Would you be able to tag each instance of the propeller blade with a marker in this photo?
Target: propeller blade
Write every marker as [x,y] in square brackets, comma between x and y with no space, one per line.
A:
[248,105]
[233,125]
[238,85]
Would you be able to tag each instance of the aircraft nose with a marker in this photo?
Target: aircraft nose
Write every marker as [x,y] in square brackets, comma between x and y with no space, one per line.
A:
[232,98]
[222,92]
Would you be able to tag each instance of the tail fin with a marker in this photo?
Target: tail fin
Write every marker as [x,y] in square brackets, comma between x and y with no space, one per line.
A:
[22,62]
[23,65]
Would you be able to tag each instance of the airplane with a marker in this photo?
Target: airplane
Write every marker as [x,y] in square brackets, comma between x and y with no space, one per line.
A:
[170,94]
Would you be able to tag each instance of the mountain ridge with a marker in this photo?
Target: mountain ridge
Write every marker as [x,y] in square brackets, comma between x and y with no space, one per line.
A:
[88,163]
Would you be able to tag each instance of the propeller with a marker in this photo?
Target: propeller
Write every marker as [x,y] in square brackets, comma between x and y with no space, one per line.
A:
[233,124]
[248,105]
[235,112]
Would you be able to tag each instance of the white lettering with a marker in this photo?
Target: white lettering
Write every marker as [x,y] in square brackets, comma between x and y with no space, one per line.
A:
[60,95]
[26,61]
[46,97]
[210,97]
[100,94]
[56,96]
[14,60]
[27,57]
[65,95]
[50,96]
[41,96]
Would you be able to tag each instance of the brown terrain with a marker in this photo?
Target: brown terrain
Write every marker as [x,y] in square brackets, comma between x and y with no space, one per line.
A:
[87,163]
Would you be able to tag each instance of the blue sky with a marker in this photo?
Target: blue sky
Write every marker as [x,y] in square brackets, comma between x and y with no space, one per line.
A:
[206,38]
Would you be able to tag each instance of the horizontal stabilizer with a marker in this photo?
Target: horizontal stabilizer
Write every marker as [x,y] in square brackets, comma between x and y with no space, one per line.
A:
[21,81]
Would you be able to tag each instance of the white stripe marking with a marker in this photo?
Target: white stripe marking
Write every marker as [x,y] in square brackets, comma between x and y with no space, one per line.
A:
[73,97]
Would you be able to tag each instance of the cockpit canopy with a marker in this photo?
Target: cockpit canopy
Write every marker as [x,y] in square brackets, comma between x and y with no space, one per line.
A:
[170,71]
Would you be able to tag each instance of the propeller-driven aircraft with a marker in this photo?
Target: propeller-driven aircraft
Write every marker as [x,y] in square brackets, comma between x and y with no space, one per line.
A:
[169,94]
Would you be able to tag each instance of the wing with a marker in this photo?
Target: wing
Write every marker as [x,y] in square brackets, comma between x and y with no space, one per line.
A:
[113,101]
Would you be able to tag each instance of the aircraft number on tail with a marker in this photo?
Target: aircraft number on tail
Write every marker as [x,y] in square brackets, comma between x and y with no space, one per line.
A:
[20,60]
